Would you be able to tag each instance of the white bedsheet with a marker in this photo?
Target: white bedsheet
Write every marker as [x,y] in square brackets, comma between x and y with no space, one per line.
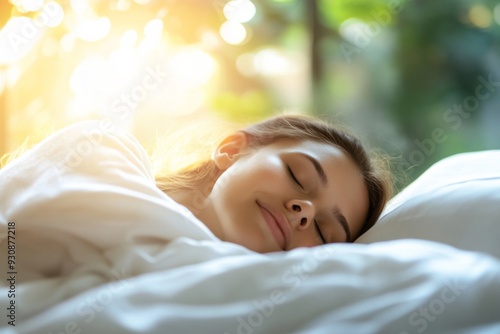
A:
[99,249]
[380,288]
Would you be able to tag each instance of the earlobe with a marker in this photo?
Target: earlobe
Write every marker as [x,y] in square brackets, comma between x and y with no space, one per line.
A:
[229,149]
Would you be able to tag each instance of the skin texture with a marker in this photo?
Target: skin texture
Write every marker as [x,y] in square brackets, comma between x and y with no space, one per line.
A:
[255,186]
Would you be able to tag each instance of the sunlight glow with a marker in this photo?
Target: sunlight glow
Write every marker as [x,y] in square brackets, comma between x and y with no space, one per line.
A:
[271,62]
[123,5]
[129,38]
[50,47]
[154,29]
[14,73]
[245,64]
[125,60]
[67,42]
[96,81]
[82,8]
[233,32]
[31,5]
[239,10]
[52,13]
[83,80]
[3,81]
[192,68]
[18,37]
[142,2]
[94,30]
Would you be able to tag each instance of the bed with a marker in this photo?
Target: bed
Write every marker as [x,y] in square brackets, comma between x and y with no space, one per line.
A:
[99,249]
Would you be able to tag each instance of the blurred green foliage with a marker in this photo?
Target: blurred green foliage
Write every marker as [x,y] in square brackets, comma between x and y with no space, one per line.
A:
[405,75]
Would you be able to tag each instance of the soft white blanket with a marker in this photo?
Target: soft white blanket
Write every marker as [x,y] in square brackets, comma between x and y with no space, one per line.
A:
[99,249]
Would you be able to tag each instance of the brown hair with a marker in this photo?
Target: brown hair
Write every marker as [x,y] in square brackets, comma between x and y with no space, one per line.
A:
[374,170]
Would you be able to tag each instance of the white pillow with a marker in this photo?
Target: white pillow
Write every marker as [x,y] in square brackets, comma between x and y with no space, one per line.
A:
[456,201]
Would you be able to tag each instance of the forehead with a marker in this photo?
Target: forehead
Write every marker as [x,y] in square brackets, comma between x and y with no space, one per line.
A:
[319,150]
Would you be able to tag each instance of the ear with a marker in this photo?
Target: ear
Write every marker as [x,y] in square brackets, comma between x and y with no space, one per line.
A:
[229,149]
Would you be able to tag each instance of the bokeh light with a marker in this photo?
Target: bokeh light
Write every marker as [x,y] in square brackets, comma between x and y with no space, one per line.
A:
[272,62]
[192,68]
[129,38]
[93,30]
[480,16]
[30,5]
[239,10]
[153,29]
[233,32]
[52,13]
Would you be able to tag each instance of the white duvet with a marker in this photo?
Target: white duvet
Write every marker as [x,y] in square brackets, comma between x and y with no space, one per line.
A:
[99,249]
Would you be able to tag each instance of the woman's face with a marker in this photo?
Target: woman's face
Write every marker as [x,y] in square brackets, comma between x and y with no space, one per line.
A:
[291,193]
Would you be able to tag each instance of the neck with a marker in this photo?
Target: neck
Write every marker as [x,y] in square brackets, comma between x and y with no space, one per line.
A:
[197,200]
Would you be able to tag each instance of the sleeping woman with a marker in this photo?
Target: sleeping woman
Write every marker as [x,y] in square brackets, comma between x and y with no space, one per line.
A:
[286,182]
[85,208]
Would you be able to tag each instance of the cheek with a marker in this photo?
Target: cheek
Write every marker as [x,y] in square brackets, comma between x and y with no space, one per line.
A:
[358,206]
[246,178]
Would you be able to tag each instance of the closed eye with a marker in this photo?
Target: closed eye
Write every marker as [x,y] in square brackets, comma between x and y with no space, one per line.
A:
[292,175]
[319,232]
[294,178]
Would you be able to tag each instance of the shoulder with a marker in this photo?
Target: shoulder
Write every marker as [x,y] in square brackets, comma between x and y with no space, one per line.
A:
[94,149]
[87,137]
[93,144]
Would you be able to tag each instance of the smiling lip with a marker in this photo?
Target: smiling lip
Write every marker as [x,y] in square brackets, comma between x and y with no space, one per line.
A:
[279,226]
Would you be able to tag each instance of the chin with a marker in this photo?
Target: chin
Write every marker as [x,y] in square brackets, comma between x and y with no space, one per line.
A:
[255,247]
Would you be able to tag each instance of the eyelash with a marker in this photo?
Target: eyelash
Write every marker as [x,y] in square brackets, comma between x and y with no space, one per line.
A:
[316,225]
[292,175]
[319,232]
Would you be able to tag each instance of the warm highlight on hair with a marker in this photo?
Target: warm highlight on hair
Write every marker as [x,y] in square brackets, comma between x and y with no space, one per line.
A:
[375,171]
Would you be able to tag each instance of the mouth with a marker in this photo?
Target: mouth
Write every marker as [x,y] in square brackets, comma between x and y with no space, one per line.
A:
[278,225]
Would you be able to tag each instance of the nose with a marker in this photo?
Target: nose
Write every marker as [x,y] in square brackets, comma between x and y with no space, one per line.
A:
[301,213]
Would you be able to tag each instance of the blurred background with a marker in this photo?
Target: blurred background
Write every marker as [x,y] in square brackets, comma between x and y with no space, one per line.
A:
[416,79]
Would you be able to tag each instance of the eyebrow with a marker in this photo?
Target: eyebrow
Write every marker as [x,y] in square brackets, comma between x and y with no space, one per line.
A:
[343,221]
[318,167]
